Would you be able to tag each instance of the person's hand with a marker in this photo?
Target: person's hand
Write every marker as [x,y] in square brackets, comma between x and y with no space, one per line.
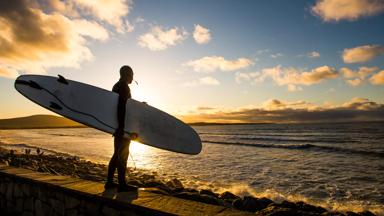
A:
[133,136]
[119,132]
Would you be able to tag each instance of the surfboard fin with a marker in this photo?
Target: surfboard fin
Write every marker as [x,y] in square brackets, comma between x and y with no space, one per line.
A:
[55,106]
[61,79]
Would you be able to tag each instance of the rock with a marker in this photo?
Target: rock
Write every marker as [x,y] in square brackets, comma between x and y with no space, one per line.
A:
[332,214]
[19,205]
[71,212]
[152,184]
[366,213]
[26,213]
[9,194]
[175,183]
[309,208]
[91,209]
[135,182]
[349,213]
[17,192]
[265,201]
[71,202]
[28,204]
[109,211]
[248,203]
[277,211]
[197,197]
[208,192]
[228,196]
[41,208]
[287,204]
[57,206]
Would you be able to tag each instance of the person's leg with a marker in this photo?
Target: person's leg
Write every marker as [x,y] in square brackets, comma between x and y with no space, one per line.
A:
[123,153]
[112,166]
[122,167]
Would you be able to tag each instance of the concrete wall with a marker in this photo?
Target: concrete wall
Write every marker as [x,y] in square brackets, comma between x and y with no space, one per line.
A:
[25,192]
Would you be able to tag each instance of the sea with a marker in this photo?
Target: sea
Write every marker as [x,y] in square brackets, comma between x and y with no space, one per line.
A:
[339,166]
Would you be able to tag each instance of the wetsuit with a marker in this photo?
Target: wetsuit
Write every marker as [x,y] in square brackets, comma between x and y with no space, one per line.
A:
[121,144]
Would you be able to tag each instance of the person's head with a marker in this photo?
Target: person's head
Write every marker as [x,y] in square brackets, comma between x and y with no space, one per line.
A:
[126,73]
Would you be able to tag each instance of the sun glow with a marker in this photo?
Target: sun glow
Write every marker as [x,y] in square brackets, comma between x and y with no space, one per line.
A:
[137,148]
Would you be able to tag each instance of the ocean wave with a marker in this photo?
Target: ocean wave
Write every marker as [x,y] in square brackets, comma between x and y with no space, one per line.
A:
[302,147]
[312,138]
[315,140]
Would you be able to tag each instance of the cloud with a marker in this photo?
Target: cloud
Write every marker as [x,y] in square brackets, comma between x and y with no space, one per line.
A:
[32,40]
[362,104]
[337,10]
[293,77]
[244,77]
[274,104]
[214,63]
[313,54]
[277,111]
[362,54]
[359,75]
[377,79]
[276,55]
[354,82]
[201,34]
[160,39]
[8,72]
[111,11]
[210,81]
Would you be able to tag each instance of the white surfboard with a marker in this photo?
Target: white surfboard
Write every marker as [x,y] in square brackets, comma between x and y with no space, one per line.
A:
[97,108]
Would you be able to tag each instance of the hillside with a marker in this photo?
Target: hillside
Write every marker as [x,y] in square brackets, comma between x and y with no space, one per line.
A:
[38,121]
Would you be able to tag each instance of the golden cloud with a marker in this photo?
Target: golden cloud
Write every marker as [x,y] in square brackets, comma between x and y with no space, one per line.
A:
[111,11]
[337,10]
[359,75]
[276,111]
[160,39]
[214,63]
[377,79]
[292,77]
[362,53]
[36,36]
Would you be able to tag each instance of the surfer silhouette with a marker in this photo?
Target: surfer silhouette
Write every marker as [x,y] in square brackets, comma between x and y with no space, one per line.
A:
[121,143]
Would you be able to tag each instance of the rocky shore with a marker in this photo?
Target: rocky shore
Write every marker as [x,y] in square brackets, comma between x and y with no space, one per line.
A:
[76,167]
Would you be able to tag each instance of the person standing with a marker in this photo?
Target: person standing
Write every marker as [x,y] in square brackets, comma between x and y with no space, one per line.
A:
[121,143]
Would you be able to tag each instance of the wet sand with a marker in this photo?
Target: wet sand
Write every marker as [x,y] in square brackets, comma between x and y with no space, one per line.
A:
[69,165]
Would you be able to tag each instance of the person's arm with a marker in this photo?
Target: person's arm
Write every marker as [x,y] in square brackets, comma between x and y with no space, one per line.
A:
[123,97]
[124,94]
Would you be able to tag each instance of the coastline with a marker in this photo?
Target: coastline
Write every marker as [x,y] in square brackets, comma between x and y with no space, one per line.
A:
[70,165]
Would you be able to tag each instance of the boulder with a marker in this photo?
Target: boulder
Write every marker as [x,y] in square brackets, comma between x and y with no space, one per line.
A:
[248,203]
[228,196]
[274,210]
[208,192]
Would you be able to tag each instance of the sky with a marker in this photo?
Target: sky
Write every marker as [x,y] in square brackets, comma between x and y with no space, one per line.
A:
[212,61]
